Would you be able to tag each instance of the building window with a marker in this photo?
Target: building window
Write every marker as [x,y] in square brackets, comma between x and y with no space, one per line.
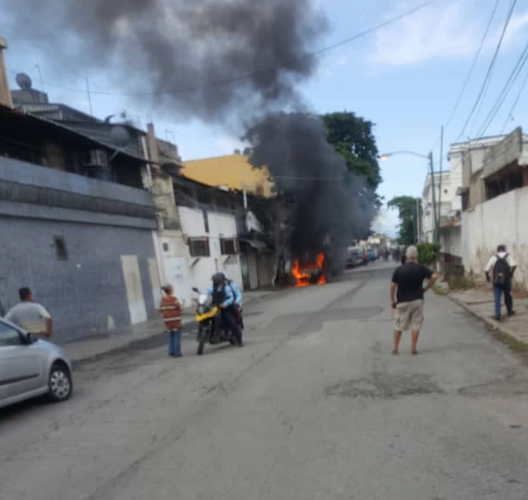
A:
[229,246]
[60,248]
[206,221]
[199,247]
[165,247]
[465,201]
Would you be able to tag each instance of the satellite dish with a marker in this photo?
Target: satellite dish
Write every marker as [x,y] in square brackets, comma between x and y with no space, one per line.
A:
[23,81]
[119,136]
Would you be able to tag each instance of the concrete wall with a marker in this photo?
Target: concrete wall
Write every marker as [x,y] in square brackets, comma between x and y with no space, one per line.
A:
[87,292]
[106,280]
[451,240]
[500,220]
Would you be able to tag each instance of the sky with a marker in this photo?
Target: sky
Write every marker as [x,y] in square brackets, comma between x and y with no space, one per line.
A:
[405,78]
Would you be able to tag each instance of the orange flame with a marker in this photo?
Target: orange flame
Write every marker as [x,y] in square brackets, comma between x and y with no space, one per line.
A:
[304,278]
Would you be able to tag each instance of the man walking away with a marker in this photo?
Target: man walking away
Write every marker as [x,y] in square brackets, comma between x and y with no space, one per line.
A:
[171,310]
[407,284]
[30,316]
[502,265]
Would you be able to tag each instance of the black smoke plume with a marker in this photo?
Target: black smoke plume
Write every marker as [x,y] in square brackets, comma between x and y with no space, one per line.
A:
[330,207]
[202,51]
[218,61]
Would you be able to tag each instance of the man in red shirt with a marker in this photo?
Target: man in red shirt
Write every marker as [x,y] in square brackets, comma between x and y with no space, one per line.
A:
[171,310]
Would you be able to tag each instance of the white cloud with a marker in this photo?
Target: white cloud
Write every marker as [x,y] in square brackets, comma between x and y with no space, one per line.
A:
[517,24]
[441,32]
[432,33]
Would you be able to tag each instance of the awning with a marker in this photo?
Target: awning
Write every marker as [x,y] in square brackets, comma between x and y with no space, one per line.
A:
[256,244]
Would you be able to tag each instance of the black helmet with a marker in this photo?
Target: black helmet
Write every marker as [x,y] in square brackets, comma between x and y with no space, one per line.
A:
[218,279]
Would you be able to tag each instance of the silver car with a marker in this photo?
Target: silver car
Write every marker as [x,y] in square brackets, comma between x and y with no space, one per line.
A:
[31,366]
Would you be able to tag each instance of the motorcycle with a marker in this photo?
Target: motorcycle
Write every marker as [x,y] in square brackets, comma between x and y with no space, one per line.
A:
[209,323]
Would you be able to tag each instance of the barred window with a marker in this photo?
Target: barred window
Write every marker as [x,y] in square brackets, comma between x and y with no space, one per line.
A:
[199,247]
[229,246]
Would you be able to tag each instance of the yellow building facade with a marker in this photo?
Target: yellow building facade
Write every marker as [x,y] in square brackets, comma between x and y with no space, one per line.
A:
[232,171]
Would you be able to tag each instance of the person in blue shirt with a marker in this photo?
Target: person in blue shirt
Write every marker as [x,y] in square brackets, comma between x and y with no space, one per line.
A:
[224,297]
[236,291]
[237,304]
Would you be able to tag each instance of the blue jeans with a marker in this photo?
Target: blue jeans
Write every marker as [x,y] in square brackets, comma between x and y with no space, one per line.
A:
[175,343]
[497,292]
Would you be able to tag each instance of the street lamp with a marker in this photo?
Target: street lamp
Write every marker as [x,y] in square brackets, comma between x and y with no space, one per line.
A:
[429,157]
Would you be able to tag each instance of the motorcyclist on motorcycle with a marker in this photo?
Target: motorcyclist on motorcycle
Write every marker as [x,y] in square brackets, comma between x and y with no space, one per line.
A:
[224,297]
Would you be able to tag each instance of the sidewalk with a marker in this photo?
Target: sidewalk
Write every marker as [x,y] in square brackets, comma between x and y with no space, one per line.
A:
[103,343]
[479,302]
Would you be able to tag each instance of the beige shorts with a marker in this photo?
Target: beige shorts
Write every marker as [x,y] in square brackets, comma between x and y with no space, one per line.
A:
[409,315]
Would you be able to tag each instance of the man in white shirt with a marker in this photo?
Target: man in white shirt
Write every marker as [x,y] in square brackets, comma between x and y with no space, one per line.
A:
[30,316]
[501,267]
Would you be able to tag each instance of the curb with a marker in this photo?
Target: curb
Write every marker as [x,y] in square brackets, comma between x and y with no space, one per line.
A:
[489,321]
[131,344]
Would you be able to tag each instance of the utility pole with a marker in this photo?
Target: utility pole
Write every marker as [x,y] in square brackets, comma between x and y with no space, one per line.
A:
[435,215]
[440,180]
[418,220]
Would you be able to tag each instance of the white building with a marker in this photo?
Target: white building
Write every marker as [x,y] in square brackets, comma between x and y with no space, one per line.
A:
[494,196]
[442,199]
[207,242]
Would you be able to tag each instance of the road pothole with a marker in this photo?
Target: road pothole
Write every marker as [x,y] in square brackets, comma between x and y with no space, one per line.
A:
[385,386]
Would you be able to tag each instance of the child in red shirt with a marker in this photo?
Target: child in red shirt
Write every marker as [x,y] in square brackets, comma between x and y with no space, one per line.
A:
[171,310]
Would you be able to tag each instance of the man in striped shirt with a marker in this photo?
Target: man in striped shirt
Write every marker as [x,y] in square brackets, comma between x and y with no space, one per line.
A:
[171,310]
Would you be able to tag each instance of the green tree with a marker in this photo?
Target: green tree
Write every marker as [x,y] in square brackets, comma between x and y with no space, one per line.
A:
[353,138]
[406,206]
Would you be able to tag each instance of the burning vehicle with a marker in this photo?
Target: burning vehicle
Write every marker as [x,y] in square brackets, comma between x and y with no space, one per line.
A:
[306,273]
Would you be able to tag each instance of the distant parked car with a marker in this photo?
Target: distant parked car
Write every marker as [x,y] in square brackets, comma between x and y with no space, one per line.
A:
[355,257]
[31,366]
[371,254]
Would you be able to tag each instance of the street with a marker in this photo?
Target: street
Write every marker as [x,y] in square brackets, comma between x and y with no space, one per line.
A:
[313,407]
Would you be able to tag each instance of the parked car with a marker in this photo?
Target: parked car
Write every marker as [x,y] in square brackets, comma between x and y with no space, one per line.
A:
[371,254]
[354,257]
[31,366]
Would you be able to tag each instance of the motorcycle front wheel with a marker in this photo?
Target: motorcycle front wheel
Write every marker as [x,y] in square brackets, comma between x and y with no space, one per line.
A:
[202,339]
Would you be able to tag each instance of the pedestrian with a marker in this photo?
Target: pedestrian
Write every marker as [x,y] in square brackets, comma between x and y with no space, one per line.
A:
[29,315]
[408,286]
[171,310]
[503,266]
[403,256]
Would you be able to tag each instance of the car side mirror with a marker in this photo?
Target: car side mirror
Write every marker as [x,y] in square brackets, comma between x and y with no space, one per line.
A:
[195,289]
[27,338]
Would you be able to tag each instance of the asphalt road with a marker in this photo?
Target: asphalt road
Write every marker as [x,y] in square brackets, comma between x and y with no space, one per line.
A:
[314,407]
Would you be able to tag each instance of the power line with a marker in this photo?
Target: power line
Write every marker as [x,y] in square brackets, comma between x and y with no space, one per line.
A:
[514,105]
[470,73]
[246,76]
[512,78]
[490,69]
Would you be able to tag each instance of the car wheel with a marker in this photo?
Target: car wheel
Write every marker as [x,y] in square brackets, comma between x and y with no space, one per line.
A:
[59,383]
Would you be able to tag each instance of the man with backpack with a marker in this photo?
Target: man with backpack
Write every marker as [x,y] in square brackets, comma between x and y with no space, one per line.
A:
[500,268]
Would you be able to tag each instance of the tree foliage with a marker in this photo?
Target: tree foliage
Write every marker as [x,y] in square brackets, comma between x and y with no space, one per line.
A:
[428,252]
[406,206]
[352,137]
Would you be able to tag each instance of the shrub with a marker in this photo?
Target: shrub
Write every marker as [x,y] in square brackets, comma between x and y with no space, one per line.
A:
[428,253]
[461,281]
